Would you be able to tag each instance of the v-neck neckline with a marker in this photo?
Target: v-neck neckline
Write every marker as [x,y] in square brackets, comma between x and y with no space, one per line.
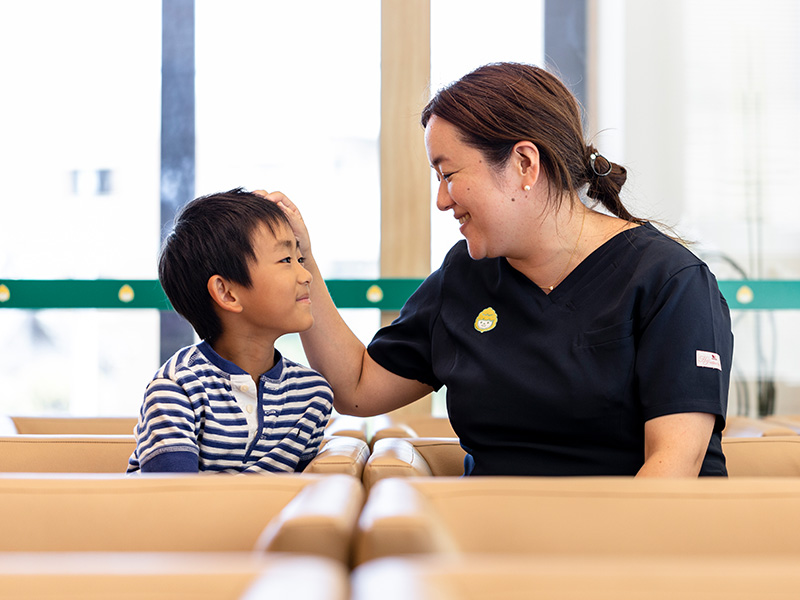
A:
[583,268]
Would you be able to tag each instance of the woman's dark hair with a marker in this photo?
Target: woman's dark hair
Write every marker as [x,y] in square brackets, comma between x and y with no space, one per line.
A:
[212,235]
[499,104]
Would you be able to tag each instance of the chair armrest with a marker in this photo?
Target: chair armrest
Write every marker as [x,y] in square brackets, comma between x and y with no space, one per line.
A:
[444,455]
[398,520]
[7,426]
[348,426]
[394,457]
[322,516]
[340,454]
[398,430]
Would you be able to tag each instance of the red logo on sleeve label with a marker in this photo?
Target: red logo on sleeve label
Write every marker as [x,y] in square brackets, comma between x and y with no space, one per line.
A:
[709,360]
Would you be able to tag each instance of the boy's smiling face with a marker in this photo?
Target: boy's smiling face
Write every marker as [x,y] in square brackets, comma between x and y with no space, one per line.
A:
[278,301]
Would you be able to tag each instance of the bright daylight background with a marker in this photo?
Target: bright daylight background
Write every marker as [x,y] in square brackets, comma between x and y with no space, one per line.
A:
[700,99]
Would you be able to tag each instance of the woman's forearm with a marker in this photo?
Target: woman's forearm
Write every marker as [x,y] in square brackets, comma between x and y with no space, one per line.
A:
[331,347]
[360,386]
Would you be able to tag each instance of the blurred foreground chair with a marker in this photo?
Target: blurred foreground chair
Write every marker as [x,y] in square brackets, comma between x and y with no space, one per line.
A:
[574,516]
[165,575]
[577,578]
[307,514]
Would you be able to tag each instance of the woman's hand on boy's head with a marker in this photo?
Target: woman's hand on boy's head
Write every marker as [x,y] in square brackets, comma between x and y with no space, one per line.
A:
[295,218]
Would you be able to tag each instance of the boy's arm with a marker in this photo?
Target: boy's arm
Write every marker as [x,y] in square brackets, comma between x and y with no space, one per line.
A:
[314,443]
[165,438]
[172,462]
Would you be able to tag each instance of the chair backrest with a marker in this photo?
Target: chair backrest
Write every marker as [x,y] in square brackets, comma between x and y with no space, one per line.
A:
[75,425]
[282,512]
[769,456]
[736,426]
[196,575]
[581,516]
[576,578]
[109,454]
[65,453]
[789,421]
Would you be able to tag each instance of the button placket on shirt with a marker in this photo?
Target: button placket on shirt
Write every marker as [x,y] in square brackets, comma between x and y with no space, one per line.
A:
[270,412]
[247,400]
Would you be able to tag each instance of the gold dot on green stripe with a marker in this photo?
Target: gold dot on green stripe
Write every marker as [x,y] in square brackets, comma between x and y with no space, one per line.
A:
[744,295]
[374,294]
[125,293]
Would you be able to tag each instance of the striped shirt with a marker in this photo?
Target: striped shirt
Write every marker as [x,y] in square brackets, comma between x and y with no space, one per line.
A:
[196,406]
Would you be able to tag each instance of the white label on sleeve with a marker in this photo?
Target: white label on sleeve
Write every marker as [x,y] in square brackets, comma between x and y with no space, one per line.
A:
[709,360]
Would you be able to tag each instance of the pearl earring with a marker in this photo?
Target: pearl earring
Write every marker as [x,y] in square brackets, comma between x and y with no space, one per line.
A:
[527,188]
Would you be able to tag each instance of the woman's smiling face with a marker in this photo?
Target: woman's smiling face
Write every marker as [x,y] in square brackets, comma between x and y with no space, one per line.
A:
[483,200]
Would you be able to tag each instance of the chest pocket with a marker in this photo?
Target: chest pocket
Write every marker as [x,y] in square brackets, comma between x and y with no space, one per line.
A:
[608,335]
[606,357]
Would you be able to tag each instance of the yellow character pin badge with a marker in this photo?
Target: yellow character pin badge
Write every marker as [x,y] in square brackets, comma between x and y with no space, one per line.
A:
[486,320]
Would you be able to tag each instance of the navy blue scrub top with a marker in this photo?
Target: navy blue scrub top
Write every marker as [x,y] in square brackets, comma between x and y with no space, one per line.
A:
[562,384]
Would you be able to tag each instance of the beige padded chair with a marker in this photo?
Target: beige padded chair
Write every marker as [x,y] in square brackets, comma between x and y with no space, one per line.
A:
[413,457]
[768,456]
[410,426]
[578,578]
[789,421]
[590,516]
[169,576]
[736,426]
[307,514]
[340,454]
[75,425]
[51,453]
[348,426]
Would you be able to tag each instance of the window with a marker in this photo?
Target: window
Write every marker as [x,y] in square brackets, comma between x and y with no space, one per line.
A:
[287,97]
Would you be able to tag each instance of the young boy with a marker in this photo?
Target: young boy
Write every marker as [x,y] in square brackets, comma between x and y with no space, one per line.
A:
[232,403]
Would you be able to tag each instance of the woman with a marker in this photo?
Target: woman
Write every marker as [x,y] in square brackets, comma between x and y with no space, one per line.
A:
[572,340]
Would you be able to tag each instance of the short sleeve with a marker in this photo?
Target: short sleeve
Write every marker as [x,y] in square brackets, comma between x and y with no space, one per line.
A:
[684,354]
[404,346]
[166,423]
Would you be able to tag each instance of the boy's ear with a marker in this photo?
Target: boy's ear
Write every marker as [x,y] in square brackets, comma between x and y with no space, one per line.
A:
[223,293]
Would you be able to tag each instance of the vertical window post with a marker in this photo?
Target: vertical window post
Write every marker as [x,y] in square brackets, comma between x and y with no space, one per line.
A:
[177,139]
[565,44]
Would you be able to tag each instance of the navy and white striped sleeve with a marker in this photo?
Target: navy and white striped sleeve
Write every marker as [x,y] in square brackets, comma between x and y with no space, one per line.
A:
[165,435]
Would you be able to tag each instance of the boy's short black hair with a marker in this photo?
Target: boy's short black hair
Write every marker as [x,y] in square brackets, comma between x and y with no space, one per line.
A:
[212,235]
